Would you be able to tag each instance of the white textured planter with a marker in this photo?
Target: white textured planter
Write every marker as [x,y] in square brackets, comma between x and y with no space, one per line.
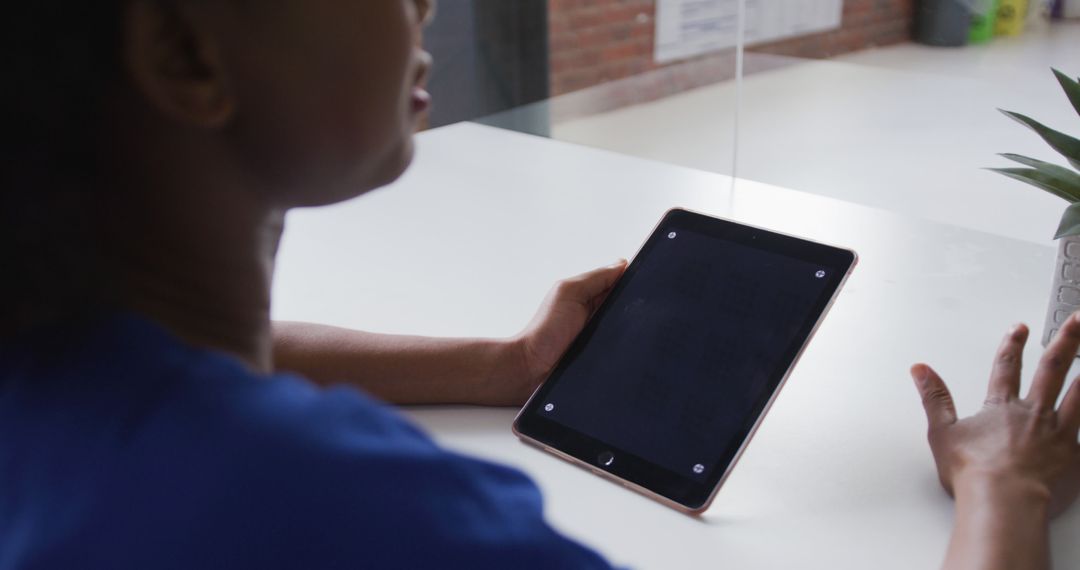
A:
[1065,294]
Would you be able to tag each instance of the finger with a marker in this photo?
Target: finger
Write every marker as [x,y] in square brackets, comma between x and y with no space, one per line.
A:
[936,399]
[1005,377]
[1055,364]
[1069,412]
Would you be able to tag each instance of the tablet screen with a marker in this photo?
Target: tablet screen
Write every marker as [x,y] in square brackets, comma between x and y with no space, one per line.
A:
[675,368]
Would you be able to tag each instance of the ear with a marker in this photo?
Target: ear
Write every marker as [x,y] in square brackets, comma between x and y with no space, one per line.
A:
[175,62]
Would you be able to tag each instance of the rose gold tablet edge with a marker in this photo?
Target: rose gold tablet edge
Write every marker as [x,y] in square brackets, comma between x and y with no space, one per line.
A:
[757,423]
[652,495]
[783,381]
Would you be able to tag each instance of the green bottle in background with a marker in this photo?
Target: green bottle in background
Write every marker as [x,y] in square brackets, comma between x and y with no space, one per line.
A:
[983,16]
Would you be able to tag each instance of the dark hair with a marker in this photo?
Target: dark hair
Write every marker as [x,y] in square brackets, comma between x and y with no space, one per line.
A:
[60,59]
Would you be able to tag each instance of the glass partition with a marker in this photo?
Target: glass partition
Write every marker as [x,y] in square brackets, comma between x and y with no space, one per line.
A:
[888,103]
[598,61]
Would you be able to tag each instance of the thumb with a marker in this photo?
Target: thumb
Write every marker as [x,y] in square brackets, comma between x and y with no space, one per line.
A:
[936,399]
[587,288]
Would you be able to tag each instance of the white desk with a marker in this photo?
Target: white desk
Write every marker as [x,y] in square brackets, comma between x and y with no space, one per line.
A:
[839,476]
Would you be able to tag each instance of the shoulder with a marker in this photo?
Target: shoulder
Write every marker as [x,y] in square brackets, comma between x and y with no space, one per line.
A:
[335,475]
[175,457]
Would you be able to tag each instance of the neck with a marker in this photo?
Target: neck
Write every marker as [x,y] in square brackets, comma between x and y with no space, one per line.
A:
[196,257]
[206,276]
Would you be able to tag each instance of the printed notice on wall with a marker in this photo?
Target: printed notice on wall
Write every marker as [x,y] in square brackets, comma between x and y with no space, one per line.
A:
[685,28]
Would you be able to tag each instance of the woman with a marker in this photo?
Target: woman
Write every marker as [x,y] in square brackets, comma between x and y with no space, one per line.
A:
[155,146]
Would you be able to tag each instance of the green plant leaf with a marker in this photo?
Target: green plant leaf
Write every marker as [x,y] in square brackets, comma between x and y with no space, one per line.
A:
[1037,179]
[1059,141]
[1072,88]
[1063,178]
[1070,222]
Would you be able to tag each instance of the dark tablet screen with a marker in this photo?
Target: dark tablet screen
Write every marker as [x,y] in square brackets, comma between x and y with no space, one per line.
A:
[671,374]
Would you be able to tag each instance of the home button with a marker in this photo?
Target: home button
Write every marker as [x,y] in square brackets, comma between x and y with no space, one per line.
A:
[606,459]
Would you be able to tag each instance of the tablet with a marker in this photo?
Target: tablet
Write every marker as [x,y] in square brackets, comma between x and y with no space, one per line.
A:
[666,384]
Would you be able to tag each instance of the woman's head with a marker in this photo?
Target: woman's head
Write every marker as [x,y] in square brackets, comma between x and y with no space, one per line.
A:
[293,102]
[314,100]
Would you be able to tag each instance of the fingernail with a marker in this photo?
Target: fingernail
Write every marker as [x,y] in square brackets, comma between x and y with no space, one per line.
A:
[920,373]
[1076,317]
[618,263]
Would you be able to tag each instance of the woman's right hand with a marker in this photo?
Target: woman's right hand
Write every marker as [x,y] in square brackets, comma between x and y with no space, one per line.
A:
[1025,444]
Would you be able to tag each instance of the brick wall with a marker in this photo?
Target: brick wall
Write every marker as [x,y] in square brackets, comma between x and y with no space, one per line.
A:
[599,41]
[864,24]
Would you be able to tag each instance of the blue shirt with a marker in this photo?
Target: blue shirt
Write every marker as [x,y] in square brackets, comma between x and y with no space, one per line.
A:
[121,447]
